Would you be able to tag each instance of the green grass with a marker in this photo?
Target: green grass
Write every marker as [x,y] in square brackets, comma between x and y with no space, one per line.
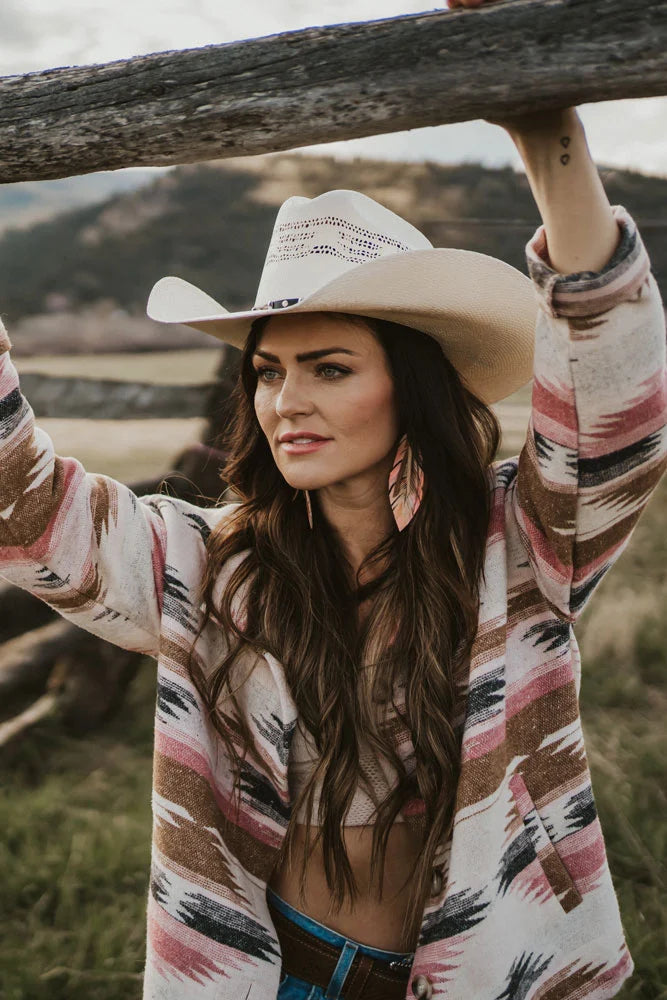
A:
[623,639]
[75,816]
[75,813]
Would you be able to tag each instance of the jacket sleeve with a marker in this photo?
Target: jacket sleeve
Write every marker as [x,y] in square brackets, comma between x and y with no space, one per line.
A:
[596,445]
[83,543]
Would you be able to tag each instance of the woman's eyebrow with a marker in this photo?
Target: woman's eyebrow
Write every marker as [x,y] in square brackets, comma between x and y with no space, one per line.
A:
[308,355]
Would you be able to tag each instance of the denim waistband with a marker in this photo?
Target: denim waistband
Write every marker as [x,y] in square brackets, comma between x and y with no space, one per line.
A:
[324,933]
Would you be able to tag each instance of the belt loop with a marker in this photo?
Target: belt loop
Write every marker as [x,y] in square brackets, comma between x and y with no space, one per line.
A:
[339,976]
[355,986]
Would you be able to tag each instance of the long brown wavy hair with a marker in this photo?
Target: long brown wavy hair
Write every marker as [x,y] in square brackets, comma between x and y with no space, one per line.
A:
[301,604]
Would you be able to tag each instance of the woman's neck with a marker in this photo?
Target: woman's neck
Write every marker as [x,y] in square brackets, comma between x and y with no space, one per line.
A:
[360,513]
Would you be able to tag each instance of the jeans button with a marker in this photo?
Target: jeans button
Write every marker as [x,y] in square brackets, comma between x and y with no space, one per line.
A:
[422,987]
[436,882]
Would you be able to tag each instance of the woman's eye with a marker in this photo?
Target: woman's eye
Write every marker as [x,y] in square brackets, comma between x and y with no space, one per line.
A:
[332,368]
[264,372]
[261,372]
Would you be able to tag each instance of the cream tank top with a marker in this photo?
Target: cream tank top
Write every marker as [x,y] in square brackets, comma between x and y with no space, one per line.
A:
[382,776]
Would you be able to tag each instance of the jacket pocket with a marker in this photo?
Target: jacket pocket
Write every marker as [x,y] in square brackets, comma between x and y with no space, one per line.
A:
[546,853]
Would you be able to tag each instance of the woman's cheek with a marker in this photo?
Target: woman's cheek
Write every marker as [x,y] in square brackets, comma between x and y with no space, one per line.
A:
[262,411]
[375,411]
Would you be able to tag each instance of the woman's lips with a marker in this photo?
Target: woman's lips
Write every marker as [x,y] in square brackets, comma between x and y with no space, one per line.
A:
[292,448]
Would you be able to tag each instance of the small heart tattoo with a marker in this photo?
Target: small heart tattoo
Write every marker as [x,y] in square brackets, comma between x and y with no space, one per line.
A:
[565,159]
[565,141]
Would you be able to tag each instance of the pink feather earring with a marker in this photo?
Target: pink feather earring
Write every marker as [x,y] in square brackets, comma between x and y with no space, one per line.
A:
[406,484]
[406,487]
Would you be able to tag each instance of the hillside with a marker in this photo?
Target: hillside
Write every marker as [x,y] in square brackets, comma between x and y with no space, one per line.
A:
[210,223]
[27,202]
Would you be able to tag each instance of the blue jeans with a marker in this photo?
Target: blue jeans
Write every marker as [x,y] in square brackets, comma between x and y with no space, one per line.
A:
[292,988]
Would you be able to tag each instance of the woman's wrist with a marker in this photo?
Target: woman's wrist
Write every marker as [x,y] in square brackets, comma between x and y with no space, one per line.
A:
[536,128]
[551,145]
[581,231]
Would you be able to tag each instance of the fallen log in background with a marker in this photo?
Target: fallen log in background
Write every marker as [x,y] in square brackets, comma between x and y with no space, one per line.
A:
[19,612]
[85,678]
[27,660]
[324,84]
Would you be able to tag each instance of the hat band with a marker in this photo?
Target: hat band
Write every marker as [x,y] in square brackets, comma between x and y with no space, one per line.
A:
[277,304]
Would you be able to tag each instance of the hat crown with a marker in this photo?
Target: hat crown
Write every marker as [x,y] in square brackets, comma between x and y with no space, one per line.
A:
[315,240]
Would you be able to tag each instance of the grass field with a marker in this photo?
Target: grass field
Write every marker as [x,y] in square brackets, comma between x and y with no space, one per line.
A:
[75,813]
[125,449]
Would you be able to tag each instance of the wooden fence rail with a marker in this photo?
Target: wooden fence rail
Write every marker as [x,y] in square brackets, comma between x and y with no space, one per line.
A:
[323,84]
[111,399]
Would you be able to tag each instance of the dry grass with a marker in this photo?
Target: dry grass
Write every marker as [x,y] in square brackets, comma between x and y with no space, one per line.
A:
[124,449]
[156,367]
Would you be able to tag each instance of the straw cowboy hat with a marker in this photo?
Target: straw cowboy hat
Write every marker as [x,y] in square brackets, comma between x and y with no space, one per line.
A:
[344,252]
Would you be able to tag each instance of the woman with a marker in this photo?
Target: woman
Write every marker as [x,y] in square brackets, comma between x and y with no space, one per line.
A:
[369,777]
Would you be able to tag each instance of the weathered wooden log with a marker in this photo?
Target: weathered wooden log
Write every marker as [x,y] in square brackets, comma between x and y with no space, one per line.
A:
[324,84]
[27,660]
[91,678]
[45,706]
[20,611]
[88,676]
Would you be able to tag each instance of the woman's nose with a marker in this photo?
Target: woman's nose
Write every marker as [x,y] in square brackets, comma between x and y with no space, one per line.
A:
[293,398]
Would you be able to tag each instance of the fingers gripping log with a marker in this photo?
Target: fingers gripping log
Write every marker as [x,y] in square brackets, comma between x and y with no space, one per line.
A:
[323,84]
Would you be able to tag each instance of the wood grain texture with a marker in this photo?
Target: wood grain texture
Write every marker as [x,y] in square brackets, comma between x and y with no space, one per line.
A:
[323,84]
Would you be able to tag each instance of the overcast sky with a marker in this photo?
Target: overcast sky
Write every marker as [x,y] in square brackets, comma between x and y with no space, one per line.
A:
[42,34]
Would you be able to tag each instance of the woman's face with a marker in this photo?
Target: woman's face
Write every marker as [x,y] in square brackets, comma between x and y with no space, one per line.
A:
[345,395]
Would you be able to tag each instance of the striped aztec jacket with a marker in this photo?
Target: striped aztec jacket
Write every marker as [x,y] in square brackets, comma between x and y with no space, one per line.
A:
[525,906]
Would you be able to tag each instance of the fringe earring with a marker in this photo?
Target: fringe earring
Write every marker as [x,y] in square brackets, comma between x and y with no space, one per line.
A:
[309,509]
[406,484]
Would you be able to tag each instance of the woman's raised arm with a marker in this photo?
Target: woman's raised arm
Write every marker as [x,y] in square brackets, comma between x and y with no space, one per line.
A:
[596,445]
[85,544]
[581,232]
[597,437]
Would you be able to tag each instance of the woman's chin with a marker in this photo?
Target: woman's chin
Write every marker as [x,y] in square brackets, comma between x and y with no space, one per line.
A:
[304,479]
[300,483]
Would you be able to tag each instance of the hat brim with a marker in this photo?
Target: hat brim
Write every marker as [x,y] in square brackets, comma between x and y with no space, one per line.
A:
[481,310]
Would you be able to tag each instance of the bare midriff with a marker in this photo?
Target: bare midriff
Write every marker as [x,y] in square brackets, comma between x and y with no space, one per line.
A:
[378,924]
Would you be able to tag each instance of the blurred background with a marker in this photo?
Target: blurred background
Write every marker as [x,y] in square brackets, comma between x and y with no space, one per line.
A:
[144,403]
